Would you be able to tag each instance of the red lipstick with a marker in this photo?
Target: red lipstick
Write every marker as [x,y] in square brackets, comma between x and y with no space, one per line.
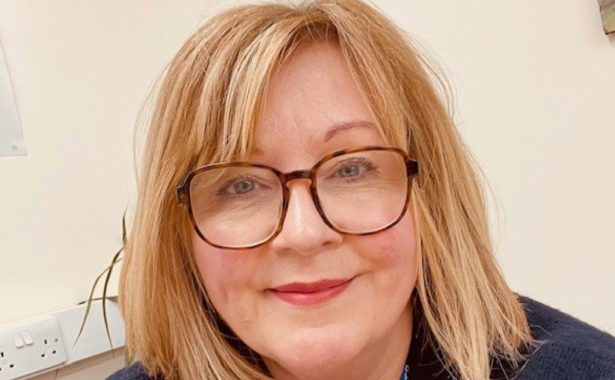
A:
[310,293]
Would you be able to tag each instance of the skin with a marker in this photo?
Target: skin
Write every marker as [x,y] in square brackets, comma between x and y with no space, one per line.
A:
[365,331]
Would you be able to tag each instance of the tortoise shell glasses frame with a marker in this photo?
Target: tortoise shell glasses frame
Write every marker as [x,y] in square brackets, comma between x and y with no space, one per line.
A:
[184,195]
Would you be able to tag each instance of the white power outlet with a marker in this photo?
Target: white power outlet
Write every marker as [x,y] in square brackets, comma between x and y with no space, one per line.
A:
[30,347]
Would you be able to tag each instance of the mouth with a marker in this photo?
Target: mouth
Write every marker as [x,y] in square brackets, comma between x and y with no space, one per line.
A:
[311,293]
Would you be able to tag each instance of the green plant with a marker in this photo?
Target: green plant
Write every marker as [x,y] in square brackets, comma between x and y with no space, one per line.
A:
[106,273]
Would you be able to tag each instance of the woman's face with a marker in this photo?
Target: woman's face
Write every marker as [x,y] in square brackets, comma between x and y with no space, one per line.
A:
[313,108]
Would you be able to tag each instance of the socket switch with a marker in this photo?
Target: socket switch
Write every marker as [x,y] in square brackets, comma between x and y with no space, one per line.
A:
[30,347]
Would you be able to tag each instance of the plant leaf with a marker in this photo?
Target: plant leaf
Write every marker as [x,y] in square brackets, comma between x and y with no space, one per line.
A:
[116,259]
[89,304]
[110,298]
[124,233]
[109,270]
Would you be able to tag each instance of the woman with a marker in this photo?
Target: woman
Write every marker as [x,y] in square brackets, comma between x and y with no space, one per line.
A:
[307,210]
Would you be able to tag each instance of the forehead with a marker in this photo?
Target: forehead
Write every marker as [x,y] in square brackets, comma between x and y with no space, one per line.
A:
[313,106]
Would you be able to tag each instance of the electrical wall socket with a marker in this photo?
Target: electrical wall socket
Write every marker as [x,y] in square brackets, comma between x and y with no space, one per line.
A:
[30,347]
[19,360]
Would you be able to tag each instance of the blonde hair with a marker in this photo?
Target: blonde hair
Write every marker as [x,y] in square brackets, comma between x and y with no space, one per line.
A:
[206,111]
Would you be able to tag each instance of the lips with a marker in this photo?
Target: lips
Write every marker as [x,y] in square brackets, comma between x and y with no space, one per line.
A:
[311,293]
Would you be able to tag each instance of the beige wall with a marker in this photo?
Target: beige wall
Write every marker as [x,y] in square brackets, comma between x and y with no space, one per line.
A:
[534,83]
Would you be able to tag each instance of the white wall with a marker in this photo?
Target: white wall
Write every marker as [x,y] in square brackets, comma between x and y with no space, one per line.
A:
[534,83]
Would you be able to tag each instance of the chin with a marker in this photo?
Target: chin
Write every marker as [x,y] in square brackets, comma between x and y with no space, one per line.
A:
[316,350]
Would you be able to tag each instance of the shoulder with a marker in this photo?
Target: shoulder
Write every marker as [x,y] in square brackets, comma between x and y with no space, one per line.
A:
[134,372]
[566,347]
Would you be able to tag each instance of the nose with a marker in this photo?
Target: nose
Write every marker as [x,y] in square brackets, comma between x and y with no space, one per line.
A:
[303,229]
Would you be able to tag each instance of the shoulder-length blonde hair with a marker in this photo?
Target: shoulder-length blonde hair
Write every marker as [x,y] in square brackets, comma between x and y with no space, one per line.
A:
[206,110]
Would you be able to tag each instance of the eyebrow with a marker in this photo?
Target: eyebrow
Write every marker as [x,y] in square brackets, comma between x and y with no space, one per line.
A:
[346,125]
[336,128]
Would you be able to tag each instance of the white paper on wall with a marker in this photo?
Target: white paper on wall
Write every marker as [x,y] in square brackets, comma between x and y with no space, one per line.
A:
[11,137]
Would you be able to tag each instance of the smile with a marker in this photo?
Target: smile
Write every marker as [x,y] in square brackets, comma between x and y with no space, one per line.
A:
[312,293]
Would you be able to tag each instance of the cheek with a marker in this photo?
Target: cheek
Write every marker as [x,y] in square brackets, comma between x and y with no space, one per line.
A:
[226,273]
[393,260]
[396,248]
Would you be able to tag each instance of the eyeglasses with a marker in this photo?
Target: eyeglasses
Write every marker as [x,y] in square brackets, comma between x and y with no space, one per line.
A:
[356,191]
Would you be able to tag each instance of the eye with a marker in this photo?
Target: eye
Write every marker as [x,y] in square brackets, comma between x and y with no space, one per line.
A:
[353,168]
[238,187]
[243,186]
[349,170]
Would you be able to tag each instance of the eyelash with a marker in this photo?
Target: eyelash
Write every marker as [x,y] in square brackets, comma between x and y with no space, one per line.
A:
[221,192]
[368,165]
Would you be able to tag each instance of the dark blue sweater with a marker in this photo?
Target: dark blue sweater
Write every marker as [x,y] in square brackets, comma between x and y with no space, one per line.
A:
[570,350]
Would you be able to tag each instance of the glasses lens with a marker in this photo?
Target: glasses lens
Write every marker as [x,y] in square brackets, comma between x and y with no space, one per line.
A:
[236,206]
[363,192]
